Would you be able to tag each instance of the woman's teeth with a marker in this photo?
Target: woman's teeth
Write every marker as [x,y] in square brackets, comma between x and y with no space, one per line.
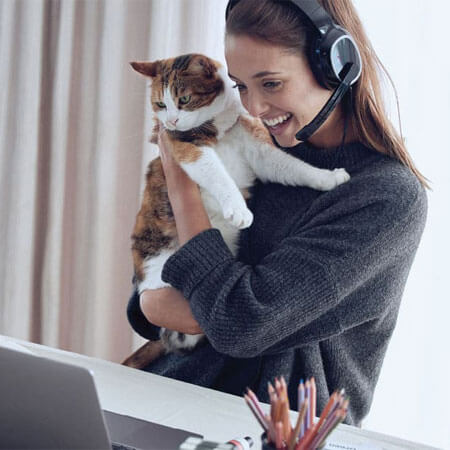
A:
[277,120]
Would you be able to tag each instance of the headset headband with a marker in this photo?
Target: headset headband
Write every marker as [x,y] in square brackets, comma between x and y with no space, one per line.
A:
[319,18]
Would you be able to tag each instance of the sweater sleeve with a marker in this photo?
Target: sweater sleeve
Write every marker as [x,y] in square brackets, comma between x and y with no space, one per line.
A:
[138,321]
[292,296]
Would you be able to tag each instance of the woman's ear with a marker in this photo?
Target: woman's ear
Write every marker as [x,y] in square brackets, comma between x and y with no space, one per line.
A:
[149,69]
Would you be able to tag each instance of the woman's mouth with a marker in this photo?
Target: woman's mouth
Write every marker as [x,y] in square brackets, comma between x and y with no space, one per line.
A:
[278,124]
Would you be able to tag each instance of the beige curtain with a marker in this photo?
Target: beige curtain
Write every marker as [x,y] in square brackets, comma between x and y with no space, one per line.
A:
[74,125]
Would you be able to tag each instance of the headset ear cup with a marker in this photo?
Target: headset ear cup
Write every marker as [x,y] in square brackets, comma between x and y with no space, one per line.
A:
[337,50]
[331,79]
[320,60]
[315,61]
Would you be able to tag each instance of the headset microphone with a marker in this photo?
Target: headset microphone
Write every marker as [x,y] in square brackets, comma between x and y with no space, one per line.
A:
[308,130]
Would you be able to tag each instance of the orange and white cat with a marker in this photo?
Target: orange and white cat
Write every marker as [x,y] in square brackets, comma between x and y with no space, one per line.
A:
[222,148]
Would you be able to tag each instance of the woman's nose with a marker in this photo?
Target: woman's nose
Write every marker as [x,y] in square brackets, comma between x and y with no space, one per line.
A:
[255,104]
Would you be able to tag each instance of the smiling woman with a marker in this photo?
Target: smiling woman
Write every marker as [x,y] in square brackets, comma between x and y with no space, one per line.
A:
[271,80]
[316,285]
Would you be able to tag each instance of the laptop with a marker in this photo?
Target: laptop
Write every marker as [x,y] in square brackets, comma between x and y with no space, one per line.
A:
[48,404]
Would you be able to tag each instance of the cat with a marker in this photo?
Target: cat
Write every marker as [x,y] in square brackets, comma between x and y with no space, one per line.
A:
[222,148]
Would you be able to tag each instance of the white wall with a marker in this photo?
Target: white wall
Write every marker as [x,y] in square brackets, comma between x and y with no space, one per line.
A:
[412,398]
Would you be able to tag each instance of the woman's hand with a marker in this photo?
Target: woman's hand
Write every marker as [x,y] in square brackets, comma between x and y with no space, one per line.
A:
[179,185]
[184,195]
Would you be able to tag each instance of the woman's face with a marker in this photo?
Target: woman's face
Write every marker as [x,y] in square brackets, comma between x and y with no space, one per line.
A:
[278,87]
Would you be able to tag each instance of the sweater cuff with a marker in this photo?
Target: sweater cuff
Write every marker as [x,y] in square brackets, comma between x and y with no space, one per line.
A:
[192,262]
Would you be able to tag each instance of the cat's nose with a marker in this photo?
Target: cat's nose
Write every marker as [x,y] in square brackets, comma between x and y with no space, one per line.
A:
[173,122]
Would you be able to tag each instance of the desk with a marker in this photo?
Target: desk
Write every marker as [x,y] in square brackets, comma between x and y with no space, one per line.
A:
[215,415]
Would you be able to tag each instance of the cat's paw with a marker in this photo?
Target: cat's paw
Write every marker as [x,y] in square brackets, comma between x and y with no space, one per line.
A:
[237,214]
[174,341]
[151,283]
[330,179]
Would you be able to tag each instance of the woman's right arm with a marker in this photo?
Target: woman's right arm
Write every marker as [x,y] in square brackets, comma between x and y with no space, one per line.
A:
[166,307]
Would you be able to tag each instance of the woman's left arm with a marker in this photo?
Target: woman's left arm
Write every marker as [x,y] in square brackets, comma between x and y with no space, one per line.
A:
[167,307]
[299,293]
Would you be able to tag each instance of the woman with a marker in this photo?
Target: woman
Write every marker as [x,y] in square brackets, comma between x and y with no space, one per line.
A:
[316,287]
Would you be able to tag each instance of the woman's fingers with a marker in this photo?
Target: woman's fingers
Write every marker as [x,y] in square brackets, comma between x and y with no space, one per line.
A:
[162,146]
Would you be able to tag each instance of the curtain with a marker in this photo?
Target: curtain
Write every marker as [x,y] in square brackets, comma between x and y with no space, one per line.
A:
[74,126]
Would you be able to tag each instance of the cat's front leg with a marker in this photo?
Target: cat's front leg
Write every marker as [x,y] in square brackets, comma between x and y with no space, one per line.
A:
[152,268]
[273,164]
[270,163]
[204,167]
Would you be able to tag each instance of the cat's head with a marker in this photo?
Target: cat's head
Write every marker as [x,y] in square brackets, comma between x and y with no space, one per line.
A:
[186,90]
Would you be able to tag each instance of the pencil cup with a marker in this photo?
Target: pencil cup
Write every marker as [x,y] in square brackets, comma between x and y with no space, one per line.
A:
[266,445]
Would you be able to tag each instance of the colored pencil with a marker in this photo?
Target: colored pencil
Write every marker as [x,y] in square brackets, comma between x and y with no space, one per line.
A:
[312,410]
[287,423]
[300,418]
[308,410]
[326,431]
[301,399]
[271,434]
[255,402]
[279,435]
[255,412]
[325,422]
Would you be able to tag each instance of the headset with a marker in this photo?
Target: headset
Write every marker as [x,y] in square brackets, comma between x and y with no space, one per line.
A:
[333,55]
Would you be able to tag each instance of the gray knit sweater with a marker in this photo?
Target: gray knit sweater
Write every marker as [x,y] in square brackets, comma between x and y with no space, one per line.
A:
[315,290]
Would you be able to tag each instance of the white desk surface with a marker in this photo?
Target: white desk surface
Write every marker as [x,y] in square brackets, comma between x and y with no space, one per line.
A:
[215,415]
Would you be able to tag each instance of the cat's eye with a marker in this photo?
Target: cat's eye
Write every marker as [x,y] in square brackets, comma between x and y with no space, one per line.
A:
[160,104]
[185,99]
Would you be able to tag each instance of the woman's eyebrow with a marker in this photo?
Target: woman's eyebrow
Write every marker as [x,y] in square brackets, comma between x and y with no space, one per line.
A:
[265,73]
[257,75]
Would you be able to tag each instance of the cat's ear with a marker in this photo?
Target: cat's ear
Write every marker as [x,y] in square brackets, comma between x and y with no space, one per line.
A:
[149,69]
[202,65]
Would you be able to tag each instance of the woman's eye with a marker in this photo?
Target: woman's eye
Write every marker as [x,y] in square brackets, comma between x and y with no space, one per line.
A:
[185,99]
[161,104]
[240,87]
[272,84]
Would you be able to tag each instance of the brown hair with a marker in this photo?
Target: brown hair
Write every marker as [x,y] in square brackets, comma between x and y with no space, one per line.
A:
[281,24]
